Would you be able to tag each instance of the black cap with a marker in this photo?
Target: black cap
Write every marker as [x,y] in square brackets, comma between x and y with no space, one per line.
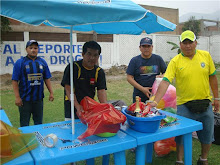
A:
[146,41]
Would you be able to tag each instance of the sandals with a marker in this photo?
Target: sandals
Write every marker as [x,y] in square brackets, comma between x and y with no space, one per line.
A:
[200,162]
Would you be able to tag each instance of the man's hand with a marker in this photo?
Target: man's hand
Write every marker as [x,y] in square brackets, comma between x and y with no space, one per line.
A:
[79,109]
[216,106]
[146,91]
[159,76]
[153,104]
[18,101]
[51,97]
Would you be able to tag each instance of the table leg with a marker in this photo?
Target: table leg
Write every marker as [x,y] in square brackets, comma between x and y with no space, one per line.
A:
[140,155]
[149,152]
[90,161]
[105,159]
[187,142]
[119,158]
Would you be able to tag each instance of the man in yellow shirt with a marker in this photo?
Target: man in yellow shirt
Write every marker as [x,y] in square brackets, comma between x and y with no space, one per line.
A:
[193,71]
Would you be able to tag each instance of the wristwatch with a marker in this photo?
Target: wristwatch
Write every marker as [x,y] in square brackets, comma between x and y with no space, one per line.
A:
[217,99]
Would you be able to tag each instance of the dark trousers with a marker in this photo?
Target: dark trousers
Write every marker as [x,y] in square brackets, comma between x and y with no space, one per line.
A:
[67,110]
[143,98]
[34,108]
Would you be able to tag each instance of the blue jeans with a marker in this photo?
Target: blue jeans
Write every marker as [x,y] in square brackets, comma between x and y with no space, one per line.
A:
[206,135]
[34,108]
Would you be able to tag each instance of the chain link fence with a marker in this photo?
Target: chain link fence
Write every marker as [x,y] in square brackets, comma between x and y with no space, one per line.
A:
[129,46]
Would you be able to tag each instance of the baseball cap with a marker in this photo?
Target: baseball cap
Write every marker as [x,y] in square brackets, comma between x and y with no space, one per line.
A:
[146,41]
[187,35]
[30,42]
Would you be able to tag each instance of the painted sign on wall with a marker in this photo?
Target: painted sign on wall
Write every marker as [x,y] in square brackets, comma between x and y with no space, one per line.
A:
[56,54]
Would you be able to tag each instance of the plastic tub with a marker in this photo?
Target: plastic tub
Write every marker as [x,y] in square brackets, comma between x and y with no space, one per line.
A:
[143,124]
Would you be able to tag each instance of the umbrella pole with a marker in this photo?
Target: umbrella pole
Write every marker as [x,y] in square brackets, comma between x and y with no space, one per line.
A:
[71,80]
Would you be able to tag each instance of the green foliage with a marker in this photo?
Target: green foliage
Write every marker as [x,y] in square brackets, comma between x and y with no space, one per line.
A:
[193,25]
[5,25]
[217,66]
[175,46]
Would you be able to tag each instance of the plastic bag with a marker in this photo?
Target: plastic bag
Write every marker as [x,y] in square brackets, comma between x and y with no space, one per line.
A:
[171,110]
[169,99]
[164,147]
[217,119]
[167,120]
[99,117]
[14,143]
[119,103]
[216,128]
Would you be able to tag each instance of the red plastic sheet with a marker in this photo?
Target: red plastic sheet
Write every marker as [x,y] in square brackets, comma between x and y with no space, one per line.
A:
[133,106]
[99,117]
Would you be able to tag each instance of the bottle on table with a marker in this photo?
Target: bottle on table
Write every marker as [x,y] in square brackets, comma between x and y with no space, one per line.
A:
[137,110]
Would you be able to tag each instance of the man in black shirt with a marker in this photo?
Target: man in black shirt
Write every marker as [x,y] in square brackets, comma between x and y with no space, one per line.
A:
[87,78]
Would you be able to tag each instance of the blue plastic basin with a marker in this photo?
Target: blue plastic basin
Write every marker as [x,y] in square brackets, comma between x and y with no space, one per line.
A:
[143,124]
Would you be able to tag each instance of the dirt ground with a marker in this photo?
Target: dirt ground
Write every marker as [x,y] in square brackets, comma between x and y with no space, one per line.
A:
[5,81]
[114,73]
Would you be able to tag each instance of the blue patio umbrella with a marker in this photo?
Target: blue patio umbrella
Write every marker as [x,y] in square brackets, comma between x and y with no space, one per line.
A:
[101,16]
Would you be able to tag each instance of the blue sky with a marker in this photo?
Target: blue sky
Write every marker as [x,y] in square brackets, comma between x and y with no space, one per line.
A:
[186,6]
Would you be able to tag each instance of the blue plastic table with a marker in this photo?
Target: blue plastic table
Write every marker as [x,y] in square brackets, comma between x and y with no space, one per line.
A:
[24,159]
[76,150]
[183,126]
[4,117]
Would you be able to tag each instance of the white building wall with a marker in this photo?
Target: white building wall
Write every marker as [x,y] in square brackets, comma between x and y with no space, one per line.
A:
[123,48]
[214,46]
